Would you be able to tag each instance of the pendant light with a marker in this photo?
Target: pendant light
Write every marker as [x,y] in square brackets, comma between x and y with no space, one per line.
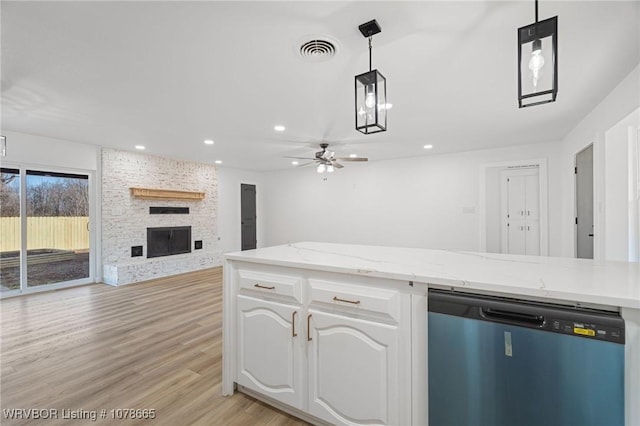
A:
[371,91]
[538,62]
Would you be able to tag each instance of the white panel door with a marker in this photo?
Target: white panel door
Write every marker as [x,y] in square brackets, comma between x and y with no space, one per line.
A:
[521,209]
[532,197]
[516,209]
[532,214]
[353,370]
[269,352]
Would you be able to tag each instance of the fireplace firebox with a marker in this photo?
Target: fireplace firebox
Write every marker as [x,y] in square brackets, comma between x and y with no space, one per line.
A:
[168,240]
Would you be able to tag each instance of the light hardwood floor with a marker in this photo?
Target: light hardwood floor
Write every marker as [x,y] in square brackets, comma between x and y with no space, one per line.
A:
[154,345]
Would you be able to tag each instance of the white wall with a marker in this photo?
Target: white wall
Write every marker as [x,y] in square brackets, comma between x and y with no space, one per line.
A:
[49,152]
[430,201]
[229,231]
[619,193]
[493,209]
[618,104]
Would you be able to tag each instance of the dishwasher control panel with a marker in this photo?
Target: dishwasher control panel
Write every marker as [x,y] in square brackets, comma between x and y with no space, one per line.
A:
[580,322]
[584,329]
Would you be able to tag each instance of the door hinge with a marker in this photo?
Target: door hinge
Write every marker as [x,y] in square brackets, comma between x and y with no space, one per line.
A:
[508,180]
[575,170]
[576,220]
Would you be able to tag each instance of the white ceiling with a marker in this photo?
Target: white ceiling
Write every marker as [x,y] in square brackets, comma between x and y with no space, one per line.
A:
[168,75]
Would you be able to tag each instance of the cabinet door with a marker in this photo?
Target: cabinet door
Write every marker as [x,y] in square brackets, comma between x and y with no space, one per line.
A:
[353,370]
[516,210]
[269,353]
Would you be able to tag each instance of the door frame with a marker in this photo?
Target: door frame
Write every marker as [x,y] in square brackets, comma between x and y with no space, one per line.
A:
[634,192]
[93,225]
[543,194]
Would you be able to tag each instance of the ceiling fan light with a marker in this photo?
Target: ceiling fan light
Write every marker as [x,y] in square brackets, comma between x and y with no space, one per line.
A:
[330,169]
[321,168]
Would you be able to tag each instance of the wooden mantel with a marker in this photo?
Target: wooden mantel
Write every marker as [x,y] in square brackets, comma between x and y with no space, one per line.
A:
[166,194]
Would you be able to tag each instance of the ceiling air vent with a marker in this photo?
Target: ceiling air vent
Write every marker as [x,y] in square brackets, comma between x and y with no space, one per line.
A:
[318,50]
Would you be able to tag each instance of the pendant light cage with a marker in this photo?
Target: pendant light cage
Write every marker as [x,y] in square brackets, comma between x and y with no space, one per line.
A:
[371,101]
[370,91]
[538,62]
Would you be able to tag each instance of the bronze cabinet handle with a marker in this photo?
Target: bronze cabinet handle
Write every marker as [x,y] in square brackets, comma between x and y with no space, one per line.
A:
[293,324]
[337,299]
[309,328]
[265,287]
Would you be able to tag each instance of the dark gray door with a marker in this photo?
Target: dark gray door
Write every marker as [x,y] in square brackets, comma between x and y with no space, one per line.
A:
[248,215]
[584,203]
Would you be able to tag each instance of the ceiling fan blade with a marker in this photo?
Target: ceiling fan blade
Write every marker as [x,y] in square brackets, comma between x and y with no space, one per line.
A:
[305,164]
[352,159]
[336,165]
[300,158]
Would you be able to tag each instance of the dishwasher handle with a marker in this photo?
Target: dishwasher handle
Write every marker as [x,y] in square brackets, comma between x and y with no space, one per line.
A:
[511,317]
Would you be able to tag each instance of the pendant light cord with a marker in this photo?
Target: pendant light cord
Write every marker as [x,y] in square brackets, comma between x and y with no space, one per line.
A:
[536,11]
[370,51]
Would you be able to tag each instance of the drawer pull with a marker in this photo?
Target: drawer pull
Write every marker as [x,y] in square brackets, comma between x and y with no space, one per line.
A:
[293,324]
[265,287]
[337,299]
[309,328]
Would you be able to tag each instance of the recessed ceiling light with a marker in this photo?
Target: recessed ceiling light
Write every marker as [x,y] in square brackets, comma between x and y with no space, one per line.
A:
[353,155]
[428,146]
[140,147]
[279,128]
[218,161]
[295,163]
[208,142]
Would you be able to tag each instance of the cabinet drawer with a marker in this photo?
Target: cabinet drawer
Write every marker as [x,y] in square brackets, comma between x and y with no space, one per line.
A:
[253,282]
[355,298]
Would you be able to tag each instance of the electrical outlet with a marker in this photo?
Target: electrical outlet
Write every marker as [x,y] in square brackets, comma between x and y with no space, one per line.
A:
[136,251]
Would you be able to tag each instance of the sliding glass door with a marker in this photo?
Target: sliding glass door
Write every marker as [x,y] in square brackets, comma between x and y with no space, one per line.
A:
[9,230]
[46,237]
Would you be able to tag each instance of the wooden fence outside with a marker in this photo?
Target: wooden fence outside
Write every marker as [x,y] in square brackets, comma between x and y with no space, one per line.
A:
[64,233]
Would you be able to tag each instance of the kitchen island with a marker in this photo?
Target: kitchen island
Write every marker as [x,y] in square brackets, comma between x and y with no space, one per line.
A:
[337,333]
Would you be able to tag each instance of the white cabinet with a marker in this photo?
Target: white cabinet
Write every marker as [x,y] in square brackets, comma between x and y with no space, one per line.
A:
[353,370]
[269,359]
[359,353]
[337,350]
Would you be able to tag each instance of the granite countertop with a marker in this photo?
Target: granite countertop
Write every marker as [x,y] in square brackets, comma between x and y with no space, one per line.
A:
[576,280]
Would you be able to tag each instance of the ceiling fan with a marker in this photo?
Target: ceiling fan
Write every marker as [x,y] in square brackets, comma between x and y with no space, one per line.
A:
[326,160]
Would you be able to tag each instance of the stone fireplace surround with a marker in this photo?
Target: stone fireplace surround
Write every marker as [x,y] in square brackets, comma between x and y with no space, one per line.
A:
[125,218]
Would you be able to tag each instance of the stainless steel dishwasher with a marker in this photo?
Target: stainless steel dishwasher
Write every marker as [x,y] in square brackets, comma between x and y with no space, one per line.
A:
[504,362]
